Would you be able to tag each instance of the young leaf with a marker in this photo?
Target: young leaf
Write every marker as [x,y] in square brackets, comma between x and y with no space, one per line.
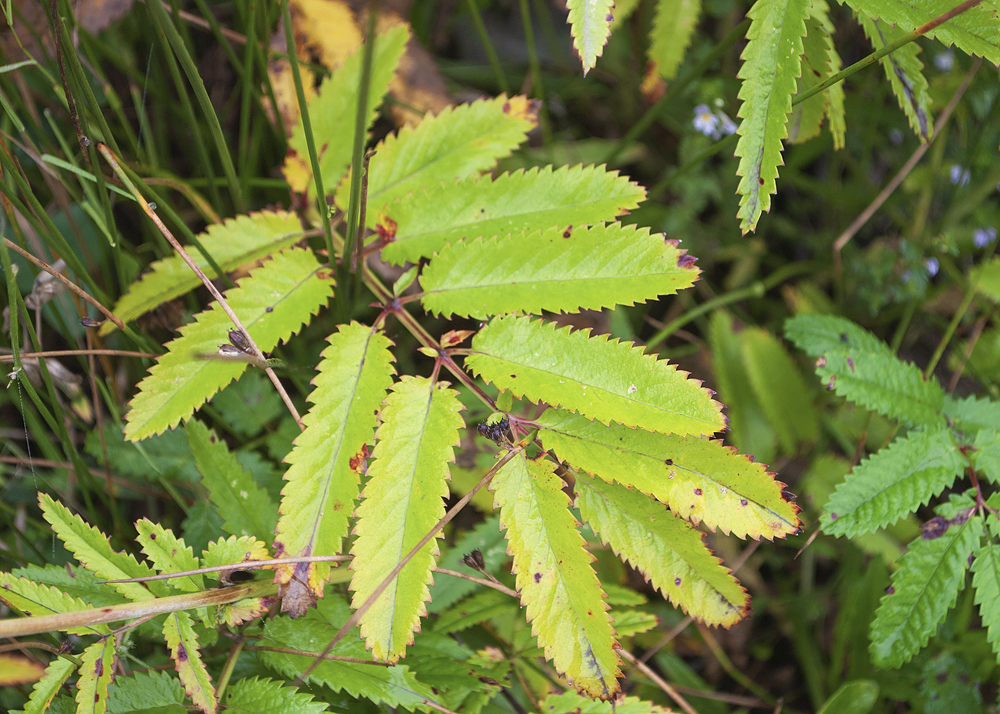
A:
[923,589]
[46,688]
[333,112]
[235,242]
[975,31]
[986,581]
[93,549]
[245,506]
[771,66]
[321,483]
[780,389]
[666,549]
[420,223]
[904,70]
[264,696]
[563,596]
[402,502]
[97,665]
[700,479]
[178,631]
[273,303]
[860,367]
[557,270]
[36,600]
[393,686]
[602,379]
[590,25]
[894,482]
[459,142]
[673,27]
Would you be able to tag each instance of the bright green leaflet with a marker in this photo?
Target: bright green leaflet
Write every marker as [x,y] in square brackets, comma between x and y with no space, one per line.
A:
[236,242]
[37,600]
[673,28]
[401,503]
[426,220]
[806,117]
[169,554]
[602,379]
[556,270]
[558,586]
[46,688]
[265,696]
[321,484]
[590,25]
[700,479]
[273,303]
[144,690]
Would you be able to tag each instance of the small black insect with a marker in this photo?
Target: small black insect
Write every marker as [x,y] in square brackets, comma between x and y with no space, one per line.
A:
[238,340]
[497,433]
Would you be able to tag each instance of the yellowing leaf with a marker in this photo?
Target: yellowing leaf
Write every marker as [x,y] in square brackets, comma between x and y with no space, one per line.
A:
[96,670]
[178,631]
[561,593]
[402,502]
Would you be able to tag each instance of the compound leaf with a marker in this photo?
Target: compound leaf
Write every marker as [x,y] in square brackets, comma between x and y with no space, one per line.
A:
[893,482]
[924,588]
[421,223]
[558,586]
[556,270]
[275,302]
[321,484]
[590,26]
[904,70]
[401,503]
[265,696]
[178,630]
[700,479]
[861,368]
[771,66]
[459,142]
[666,549]
[97,664]
[333,112]
[673,28]
[235,242]
[602,379]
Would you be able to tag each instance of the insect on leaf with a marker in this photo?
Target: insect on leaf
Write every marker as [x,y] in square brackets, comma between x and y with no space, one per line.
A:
[665,548]
[321,484]
[275,302]
[419,224]
[558,586]
[590,25]
[178,631]
[402,501]
[602,379]
[557,270]
[701,480]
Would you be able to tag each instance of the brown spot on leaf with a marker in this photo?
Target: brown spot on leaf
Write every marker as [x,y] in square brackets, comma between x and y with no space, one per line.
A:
[677,582]
[538,577]
[697,492]
[568,232]
[668,462]
[152,536]
[743,502]
[182,653]
[268,309]
[890,590]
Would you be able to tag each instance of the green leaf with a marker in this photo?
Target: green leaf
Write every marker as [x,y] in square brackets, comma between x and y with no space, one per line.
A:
[986,581]
[923,589]
[857,697]
[235,242]
[666,549]
[985,455]
[629,623]
[473,610]
[861,368]
[894,482]
[771,66]
[976,31]
[178,630]
[806,117]
[779,389]
[273,303]
[602,379]
[394,686]
[96,670]
[402,501]
[36,600]
[700,479]
[673,28]
[333,112]
[145,690]
[573,703]
[321,484]
[419,224]
[590,25]
[249,405]
[819,12]
[556,270]
[46,688]
[971,414]
[169,554]
[93,549]
[265,696]
[459,142]
[561,593]
[75,581]
[245,506]
[986,278]
[488,540]
[904,70]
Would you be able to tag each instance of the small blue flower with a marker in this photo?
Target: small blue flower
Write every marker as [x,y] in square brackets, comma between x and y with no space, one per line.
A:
[944,61]
[983,237]
[705,120]
[932,266]
[960,175]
